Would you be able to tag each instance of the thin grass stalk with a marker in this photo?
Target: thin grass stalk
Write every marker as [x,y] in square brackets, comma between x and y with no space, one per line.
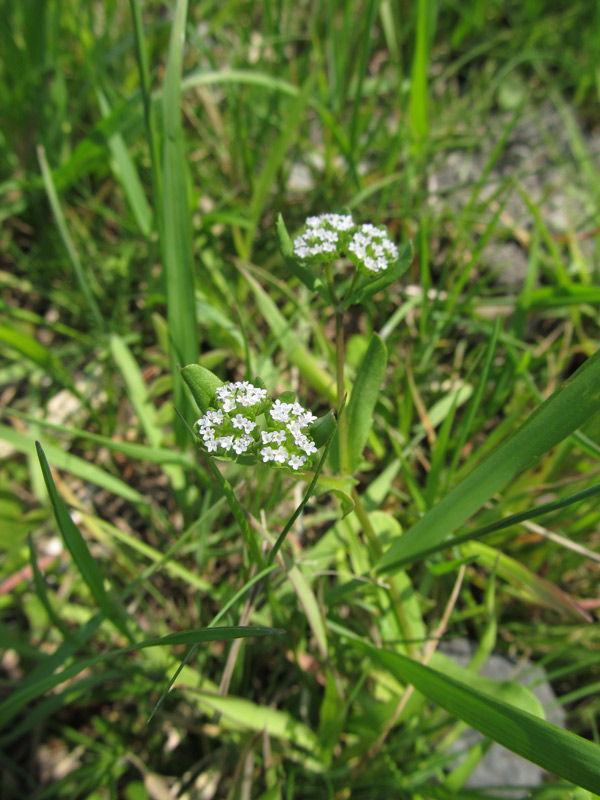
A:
[176,228]
[80,275]
[142,59]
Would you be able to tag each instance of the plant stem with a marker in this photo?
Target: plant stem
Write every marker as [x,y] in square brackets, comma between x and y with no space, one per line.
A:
[339,359]
[342,424]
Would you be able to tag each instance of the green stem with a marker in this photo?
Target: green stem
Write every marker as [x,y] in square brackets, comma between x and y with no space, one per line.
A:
[377,552]
[339,361]
[355,278]
[342,422]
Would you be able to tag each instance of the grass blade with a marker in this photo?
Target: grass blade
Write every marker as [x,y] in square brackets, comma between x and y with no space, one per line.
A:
[569,407]
[81,277]
[142,59]
[75,465]
[11,706]
[176,225]
[560,752]
[77,546]
[419,125]
[254,717]
[136,389]
[127,174]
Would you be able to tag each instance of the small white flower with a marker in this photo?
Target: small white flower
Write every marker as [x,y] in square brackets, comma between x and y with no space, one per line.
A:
[281,411]
[309,447]
[273,436]
[296,462]
[306,418]
[280,455]
[210,445]
[267,453]
[226,442]
[241,445]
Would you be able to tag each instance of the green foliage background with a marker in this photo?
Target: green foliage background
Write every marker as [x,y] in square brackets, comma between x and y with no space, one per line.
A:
[146,152]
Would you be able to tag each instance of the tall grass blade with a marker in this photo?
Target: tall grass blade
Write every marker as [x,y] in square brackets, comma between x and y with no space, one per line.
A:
[80,276]
[560,752]
[361,407]
[419,124]
[149,121]
[136,389]
[176,224]
[569,407]
[77,546]
[12,704]
[127,173]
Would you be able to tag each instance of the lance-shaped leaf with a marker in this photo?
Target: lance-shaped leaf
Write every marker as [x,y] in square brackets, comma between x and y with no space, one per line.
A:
[202,383]
[362,404]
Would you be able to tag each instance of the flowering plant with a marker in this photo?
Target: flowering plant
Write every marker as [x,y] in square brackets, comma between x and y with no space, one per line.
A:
[330,237]
[240,422]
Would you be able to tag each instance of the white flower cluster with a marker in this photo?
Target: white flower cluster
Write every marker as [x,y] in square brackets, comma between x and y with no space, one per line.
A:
[223,433]
[228,434]
[294,446]
[322,240]
[371,249]
[328,236]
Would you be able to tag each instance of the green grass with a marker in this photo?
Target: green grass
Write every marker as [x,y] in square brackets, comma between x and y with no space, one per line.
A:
[148,150]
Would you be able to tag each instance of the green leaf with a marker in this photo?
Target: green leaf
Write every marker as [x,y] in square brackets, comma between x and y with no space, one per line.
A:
[508,691]
[346,501]
[570,406]
[279,725]
[202,383]
[392,274]
[77,546]
[362,404]
[560,752]
[323,428]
